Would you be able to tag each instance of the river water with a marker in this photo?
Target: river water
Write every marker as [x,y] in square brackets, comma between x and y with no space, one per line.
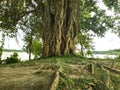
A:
[24,56]
[103,56]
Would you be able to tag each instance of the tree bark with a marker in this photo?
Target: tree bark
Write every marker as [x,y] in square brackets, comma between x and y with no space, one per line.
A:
[2,46]
[30,44]
[60,28]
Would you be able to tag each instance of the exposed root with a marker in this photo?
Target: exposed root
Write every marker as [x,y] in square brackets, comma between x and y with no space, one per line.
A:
[55,81]
[90,85]
[107,79]
[83,66]
[116,71]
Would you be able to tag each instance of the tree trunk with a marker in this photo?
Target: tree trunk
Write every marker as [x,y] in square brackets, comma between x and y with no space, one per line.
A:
[30,44]
[2,46]
[60,28]
[82,53]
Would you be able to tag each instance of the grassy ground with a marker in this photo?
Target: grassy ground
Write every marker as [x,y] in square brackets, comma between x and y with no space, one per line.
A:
[61,73]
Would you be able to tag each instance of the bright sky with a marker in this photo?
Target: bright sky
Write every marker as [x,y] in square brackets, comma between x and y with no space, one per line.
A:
[110,41]
[12,43]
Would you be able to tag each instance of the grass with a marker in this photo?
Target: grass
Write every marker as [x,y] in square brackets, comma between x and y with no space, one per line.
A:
[75,74]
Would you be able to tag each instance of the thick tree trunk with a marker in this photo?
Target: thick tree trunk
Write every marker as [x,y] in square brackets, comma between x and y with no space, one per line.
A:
[60,28]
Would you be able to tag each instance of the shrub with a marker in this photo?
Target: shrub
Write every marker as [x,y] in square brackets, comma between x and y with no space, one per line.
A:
[117,57]
[13,58]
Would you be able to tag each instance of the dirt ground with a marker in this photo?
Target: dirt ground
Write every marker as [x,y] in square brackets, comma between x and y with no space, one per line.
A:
[25,78]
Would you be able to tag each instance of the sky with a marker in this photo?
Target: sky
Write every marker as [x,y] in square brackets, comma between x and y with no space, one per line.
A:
[13,43]
[110,41]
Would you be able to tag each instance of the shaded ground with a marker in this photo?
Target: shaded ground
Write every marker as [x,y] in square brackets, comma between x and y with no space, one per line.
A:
[67,73]
[25,78]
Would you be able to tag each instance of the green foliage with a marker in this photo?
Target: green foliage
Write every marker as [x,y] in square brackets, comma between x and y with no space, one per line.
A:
[36,47]
[9,16]
[12,59]
[114,5]
[117,57]
[93,22]
[94,19]
[86,44]
[17,11]
[32,35]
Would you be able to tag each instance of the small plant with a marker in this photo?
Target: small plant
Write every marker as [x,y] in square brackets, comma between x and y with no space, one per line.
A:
[13,58]
[117,57]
